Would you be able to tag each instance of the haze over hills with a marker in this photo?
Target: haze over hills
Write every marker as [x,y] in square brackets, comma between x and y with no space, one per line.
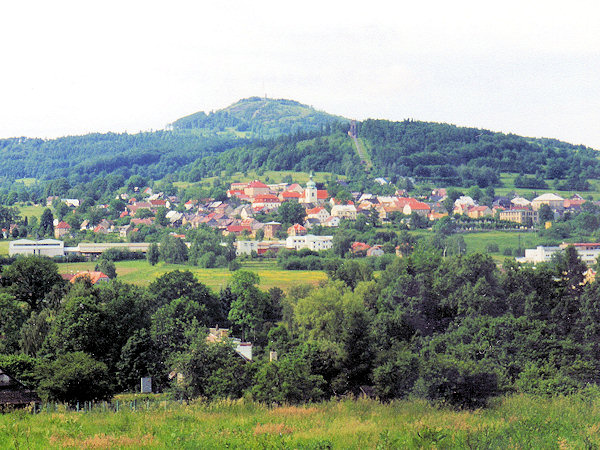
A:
[278,134]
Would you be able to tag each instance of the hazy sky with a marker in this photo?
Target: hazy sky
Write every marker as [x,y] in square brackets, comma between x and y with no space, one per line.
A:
[528,67]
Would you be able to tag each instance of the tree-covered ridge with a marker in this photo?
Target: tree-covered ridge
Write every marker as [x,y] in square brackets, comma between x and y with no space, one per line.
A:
[460,155]
[329,150]
[82,158]
[259,117]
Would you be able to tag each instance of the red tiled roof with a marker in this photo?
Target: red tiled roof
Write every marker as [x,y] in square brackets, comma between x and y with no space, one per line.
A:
[270,198]
[93,276]
[296,227]
[291,194]
[322,194]
[315,210]
[257,184]
[63,226]
[238,228]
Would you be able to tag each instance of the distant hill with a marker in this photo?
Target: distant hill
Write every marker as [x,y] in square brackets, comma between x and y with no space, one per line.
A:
[258,117]
[268,134]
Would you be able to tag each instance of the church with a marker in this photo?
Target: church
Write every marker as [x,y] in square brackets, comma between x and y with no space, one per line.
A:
[312,194]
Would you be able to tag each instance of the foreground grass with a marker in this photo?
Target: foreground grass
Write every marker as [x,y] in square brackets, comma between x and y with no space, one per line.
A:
[142,273]
[512,422]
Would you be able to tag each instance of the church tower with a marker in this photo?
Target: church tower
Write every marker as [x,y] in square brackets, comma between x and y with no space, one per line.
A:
[310,193]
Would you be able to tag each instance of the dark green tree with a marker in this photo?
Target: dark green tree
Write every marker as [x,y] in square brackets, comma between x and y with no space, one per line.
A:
[74,377]
[291,213]
[153,254]
[173,250]
[46,223]
[30,279]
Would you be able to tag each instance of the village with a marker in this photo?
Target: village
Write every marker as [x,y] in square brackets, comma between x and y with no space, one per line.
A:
[315,216]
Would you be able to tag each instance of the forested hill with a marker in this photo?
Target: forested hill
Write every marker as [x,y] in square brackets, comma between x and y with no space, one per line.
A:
[458,155]
[432,152]
[258,133]
[159,153]
[259,117]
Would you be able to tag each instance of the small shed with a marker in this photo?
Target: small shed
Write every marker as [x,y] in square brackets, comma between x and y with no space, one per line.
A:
[13,393]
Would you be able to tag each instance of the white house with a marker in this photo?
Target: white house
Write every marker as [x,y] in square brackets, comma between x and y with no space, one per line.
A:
[344,211]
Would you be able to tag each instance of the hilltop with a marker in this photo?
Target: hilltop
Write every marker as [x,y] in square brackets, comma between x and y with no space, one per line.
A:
[258,117]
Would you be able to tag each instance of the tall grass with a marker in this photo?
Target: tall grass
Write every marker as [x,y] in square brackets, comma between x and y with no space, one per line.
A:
[513,422]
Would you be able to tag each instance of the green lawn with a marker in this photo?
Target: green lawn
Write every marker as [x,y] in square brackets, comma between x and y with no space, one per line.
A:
[142,273]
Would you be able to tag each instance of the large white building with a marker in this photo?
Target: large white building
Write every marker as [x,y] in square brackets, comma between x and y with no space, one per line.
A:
[45,247]
[588,252]
[310,241]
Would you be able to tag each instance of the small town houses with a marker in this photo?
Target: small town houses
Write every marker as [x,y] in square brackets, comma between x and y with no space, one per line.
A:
[253,198]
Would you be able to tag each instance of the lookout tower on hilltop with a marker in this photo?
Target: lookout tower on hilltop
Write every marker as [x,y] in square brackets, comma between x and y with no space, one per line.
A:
[353,132]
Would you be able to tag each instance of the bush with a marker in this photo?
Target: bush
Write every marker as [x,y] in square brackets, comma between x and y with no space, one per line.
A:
[507,251]
[74,377]
[234,265]
[492,248]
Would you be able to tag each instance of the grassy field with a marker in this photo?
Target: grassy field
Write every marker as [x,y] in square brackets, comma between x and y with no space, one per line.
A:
[142,273]
[30,210]
[272,176]
[478,242]
[512,422]
[26,181]
[508,181]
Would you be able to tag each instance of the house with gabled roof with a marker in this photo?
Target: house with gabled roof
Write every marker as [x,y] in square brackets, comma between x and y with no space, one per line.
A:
[94,276]
[318,212]
[13,393]
[61,229]
[296,230]
[477,212]
[256,188]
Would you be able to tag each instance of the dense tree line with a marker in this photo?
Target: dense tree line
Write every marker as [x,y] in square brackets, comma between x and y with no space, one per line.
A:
[452,329]
[470,156]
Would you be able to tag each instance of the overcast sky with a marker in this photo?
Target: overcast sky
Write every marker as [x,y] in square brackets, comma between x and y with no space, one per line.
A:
[528,67]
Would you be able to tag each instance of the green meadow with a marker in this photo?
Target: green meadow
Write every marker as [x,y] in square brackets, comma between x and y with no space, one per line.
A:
[508,183]
[267,176]
[512,422]
[30,210]
[140,272]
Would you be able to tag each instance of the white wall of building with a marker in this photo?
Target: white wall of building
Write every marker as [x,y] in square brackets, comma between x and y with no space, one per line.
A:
[45,247]
[310,241]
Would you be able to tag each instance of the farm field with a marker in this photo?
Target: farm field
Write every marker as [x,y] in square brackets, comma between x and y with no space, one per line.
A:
[513,422]
[142,273]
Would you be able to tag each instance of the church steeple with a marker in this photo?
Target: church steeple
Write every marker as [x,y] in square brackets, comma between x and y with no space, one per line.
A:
[310,194]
